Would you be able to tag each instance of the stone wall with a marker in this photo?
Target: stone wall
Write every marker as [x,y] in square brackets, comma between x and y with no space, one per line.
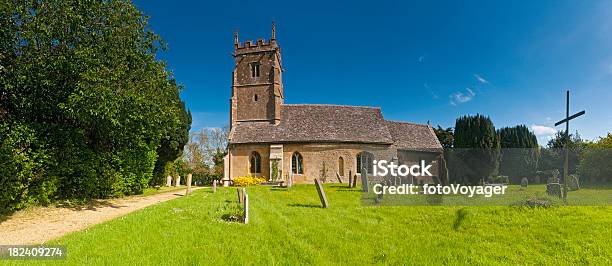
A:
[314,156]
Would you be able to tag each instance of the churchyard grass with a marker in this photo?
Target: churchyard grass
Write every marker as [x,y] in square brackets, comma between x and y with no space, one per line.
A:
[291,227]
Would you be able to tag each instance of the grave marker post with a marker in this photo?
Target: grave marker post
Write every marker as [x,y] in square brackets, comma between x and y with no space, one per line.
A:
[246,207]
[321,192]
[239,192]
[188,181]
[364,180]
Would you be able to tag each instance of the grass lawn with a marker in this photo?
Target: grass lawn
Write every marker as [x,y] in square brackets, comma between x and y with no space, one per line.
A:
[289,227]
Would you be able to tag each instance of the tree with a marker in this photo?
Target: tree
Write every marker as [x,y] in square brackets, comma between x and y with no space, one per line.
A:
[519,154]
[476,150]
[553,155]
[172,144]
[205,152]
[445,136]
[81,82]
[595,166]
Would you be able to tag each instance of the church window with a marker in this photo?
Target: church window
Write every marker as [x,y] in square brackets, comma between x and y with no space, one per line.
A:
[364,160]
[255,97]
[255,163]
[255,70]
[297,166]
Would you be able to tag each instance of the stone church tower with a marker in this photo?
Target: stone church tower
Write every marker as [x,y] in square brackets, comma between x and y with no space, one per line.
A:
[257,85]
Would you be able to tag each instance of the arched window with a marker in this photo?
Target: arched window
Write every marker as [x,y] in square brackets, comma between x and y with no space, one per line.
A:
[297,166]
[364,160]
[255,163]
[341,166]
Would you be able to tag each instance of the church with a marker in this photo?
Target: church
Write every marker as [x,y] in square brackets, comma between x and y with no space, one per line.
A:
[277,141]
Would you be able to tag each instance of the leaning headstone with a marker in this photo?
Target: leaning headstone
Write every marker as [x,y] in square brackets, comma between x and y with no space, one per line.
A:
[321,192]
[214,186]
[242,194]
[168,181]
[239,191]
[338,177]
[364,180]
[572,183]
[177,181]
[246,207]
[188,181]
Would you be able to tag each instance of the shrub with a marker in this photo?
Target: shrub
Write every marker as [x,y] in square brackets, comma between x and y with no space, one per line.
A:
[524,182]
[22,168]
[274,175]
[244,181]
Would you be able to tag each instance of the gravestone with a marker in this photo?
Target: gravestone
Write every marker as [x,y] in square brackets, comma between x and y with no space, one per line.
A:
[177,181]
[239,192]
[350,181]
[355,181]
[188,181]
[214,186]
[168,181]
[289,180]
[573,183]
[246,207]
[242,194]
[364,181]
[524,182]
[321,192]
[338,177]
[553,189]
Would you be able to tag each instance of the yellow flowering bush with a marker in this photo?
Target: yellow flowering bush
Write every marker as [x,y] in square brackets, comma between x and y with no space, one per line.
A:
[245,181]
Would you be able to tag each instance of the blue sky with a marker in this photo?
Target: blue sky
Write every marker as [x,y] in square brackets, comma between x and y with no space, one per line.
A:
[419,61]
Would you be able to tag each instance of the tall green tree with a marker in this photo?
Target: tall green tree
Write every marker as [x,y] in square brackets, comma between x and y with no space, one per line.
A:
[81,82]
[445,136]
[172,144]
[519,154]
[476,150]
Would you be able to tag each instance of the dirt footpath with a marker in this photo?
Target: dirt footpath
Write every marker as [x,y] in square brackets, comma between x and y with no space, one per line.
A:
[41,224]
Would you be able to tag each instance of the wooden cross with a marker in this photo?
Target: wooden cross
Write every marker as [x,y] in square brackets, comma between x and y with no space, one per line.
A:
[565,146]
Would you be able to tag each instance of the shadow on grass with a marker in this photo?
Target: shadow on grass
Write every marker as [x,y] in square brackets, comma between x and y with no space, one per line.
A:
[461,216]
[349,190]
[304,205]
[279,189]
[232,217]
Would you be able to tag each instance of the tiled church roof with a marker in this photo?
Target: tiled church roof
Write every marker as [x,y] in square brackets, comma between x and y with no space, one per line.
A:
[414,137]
[335,123]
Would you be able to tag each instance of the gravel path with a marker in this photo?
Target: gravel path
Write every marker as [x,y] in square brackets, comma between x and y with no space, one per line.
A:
[41,224]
